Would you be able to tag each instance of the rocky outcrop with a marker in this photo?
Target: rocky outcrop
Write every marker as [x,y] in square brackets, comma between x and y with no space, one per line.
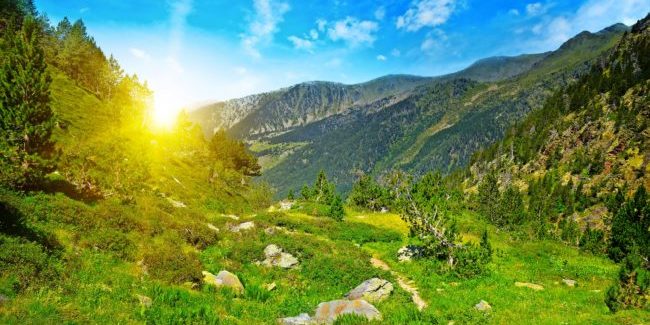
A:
[302,319]
[243,226]
[372,290]
[276,257]
[223,279]
[408,253]
[483,306]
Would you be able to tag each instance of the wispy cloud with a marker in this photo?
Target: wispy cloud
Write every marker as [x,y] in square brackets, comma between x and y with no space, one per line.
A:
[426,13]
[301,43]
[380,13]
[140,54]
[536,8]
[264,24]
[434,40]
[381,58]
[353,31]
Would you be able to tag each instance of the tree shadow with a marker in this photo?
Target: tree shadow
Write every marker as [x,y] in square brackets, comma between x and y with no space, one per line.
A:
[12,223]
[68,189]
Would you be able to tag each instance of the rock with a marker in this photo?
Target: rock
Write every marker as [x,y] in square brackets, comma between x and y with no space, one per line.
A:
[213,227]
[328,312]
[483,306]
[176,204]
[409,252]
[286,205]
[302,319]
[569,283]
[3,299]
[276,257]
[372,290]
[145,301]
[384,210]
[243,226]
[271,286]
[223,279]
[533,286]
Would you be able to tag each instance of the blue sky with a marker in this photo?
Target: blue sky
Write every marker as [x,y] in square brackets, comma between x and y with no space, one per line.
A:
[194,51]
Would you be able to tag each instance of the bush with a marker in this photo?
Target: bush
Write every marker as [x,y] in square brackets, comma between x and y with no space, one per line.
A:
[169,262]
[633,284]
[24,264]
[336,210]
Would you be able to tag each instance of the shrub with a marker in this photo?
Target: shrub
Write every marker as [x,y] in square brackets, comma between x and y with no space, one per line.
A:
[633,284]
[169,262]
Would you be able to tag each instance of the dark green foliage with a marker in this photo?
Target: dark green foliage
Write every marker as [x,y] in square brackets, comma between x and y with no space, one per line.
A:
[631,227]
[368,194]
[488,198]
[511,207]
[593,240]
[169,263]
[336,210]
[633,285]
[233,154]
[290,195]
[26,118]
[23,264]
[14,11]
[570,233]
[323,191]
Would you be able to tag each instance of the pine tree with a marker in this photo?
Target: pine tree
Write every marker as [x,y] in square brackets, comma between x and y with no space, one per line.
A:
[290,195]
[630,227]
[488,197]
[633,286]
[26,118]
[336,210]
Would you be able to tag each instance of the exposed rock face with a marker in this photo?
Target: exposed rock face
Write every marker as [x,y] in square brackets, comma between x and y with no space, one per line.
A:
[276,257]
[328,312]
[569,283]
[372,290]
[223,279]
[302,319]
[243,226]
[483,306]
[533,286]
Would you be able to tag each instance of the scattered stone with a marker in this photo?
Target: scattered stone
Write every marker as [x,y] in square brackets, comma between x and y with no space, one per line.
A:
[223,279]
[145,301]
[243,226]
[409,252]
[3,299]
[176,204]
[302,319]
[569,282]
[328,312]
[533,286]
[276,257]
[213,227]
[384,210]
[270,287]
[372,290]
[230,216]
[286,205]
[483,306]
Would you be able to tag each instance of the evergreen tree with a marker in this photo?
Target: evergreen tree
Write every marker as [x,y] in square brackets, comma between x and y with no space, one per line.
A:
[26,118]
[323,191]
[336,210]
[630,227]
[488,197]
[290,195]
[633,285]
[305,192]
[511,206]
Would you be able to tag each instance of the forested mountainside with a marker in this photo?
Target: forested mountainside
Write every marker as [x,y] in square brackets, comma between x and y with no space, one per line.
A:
[438,125]
[586,149]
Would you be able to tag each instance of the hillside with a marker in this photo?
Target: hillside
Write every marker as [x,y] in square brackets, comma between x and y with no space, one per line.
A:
[434,126]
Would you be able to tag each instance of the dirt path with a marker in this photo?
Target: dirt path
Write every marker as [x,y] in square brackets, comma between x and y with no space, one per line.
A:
[403,282]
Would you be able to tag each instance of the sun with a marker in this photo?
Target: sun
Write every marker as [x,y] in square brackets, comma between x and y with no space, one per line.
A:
[166,107]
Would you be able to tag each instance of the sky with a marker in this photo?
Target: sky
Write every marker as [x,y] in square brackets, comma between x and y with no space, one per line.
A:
[193,51]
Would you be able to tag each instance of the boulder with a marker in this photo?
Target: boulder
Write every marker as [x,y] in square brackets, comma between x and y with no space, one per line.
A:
[243,226]
[223,279]
[286,205]
[144,301]
[372,290]
[409,252]
[302,319]
[328,312]
[533,286]
[275,256]
[569,283]
[483,306]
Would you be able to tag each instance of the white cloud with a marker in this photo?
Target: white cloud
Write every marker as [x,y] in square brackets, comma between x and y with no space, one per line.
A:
[513,12]
[334,63]
[380,13]
[381,58]
[435,39]
[140,54]
[321,23]
[268,14]
[313,34]
[83,10]
[534,9]
[353,31]
[301,43]
[426,13]
[395,52]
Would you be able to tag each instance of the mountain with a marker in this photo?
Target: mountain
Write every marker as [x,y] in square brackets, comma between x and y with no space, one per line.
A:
[411,123]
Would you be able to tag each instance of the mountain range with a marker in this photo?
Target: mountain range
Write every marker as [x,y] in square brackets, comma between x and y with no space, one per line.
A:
[397,121]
